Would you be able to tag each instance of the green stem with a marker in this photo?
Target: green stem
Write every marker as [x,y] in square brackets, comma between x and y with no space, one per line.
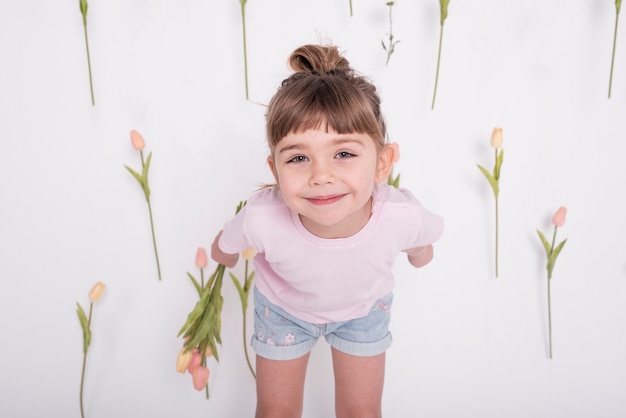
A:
[93,103]
[613,55]
[245,49]
[549,318]
[156,254]
[438,62]
[202,278]
[82,378]
[497,238]
[350,8]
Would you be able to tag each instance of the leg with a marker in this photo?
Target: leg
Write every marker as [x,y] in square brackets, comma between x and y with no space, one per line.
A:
[358,385]
[280,387]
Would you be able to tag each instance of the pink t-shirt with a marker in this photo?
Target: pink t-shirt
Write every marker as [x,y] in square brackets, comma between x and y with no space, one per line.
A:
[328,280]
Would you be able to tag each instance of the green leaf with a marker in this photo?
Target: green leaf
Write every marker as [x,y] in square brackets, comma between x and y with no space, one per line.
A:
[557,250]
[443,6]
[84,323]
[493,182]
[546,244]
[197,311]
[196,284]
[243,295]
[618,5]
[249,282]
[496,169]
[135,174]
[83,8]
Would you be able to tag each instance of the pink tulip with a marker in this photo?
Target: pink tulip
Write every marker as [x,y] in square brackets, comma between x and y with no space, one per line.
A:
[96,292]
[200,377]
[559,217]
[201,258]
[137,140]
[196,359]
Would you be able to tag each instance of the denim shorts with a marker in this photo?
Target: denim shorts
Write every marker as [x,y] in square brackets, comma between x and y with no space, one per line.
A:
[279,335]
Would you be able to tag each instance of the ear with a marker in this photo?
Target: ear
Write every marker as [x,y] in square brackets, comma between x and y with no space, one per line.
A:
[386,158]
[272,166]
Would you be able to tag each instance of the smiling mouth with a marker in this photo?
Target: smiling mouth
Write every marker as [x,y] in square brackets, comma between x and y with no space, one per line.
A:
[325,200]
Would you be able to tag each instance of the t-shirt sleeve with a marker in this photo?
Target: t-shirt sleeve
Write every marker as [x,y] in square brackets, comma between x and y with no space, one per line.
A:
[233,239]
[431,227]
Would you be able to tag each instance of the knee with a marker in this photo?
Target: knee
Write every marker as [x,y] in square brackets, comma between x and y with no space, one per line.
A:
[362,410]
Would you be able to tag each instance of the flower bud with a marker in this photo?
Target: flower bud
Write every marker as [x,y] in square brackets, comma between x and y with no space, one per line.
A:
[183,360]
[496,138]
[201,258]
[248,254]
[96,292]
[559,217]
[208,352]
[196,359]
[137,140]
[200,377]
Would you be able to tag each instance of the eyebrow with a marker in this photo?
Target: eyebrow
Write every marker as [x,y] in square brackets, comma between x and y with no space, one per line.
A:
[334,142]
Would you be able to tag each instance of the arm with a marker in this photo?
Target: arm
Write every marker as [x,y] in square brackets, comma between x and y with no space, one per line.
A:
[229,260]
[420,256]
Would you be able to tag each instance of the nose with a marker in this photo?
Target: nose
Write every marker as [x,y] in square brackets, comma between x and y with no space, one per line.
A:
[321,173]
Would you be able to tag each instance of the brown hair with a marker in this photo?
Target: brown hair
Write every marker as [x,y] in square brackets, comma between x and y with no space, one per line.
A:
[324,90]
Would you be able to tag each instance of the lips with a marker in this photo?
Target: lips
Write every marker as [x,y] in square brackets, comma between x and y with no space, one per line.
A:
[325,200]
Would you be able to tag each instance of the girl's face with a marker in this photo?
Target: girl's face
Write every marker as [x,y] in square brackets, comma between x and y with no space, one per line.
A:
[328,178]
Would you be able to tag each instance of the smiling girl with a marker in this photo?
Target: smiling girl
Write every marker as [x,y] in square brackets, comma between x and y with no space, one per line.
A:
[326,237]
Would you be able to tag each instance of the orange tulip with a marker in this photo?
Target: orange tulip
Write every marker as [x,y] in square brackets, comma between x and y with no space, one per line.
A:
[559,217]
[201,258]
[200,377]
[96,292]
[137,140]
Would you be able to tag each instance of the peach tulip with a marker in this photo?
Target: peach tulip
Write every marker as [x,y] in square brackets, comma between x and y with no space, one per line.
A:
[496,138]
[201,258]
[137,140]
[196,359]
[96,292]
[200,377]
[248,254]
[559,217]
[183,360]
[208,352]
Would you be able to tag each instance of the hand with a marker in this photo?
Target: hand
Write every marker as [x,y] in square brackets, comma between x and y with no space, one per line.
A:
[229,260]
[420,256]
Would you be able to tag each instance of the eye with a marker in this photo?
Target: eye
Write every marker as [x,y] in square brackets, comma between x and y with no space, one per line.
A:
[297,159]
[344,154]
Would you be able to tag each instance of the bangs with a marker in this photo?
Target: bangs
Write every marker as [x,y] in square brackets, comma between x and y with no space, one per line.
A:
[321,102]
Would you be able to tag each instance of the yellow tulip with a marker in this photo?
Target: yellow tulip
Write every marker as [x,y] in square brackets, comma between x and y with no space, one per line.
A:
[248,254]
[496,138]
[183,360]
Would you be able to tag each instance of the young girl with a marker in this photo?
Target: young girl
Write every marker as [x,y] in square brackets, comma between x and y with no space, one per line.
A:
[326,237]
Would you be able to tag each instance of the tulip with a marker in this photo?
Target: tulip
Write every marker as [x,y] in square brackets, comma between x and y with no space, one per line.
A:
[208,352]
[248,254]
[200,377]
[137,140]
[183,360]
[201,258]
[196,359]
[96,292]
[559,217]
[496,138]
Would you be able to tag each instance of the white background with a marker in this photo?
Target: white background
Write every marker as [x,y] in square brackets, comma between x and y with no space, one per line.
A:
[465,343]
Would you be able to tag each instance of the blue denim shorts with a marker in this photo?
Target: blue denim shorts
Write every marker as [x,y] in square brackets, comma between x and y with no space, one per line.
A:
[279,335]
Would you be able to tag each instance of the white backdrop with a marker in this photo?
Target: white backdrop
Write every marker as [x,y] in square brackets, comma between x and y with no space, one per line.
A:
[465,343]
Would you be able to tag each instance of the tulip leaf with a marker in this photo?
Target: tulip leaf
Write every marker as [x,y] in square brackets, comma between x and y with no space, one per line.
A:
[135,174]
[249,282]
[443,6]
[618,5]
[243,295]
[196,284]
[84,323]
[496,169]
[557,250]
[492,181]
[546,244]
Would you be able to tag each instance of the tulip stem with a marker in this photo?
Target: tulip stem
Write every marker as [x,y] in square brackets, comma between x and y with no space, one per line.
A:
[82,378]
[244,303]
[350,8]
[93,102]
[497,244]
[438,62]
[245,49]
[613,55]
[156,254]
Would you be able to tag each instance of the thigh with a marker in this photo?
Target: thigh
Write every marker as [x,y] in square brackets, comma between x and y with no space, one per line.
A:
[358,385]
[280,387]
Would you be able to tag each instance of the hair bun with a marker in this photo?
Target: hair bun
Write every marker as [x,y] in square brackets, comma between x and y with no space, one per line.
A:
[318,59]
